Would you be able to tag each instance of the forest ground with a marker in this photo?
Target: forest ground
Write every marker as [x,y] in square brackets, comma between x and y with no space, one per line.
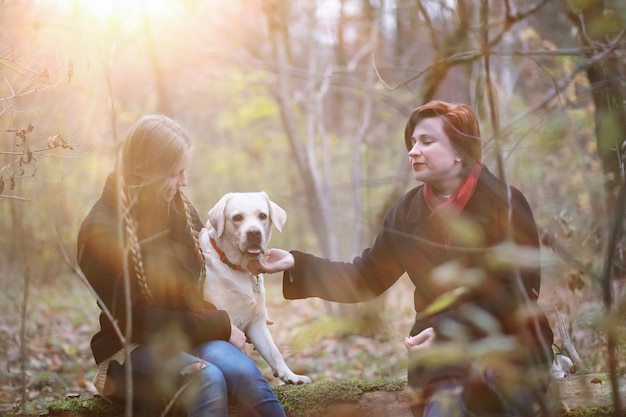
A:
[55,360]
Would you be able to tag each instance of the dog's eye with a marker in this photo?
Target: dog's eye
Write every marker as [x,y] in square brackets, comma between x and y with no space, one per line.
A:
[262,216]
[237,218]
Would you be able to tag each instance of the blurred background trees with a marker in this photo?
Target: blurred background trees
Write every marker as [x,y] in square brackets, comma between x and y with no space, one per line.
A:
[307,100]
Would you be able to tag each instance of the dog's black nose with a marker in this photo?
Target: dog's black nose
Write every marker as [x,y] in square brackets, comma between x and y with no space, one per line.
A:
[254,235]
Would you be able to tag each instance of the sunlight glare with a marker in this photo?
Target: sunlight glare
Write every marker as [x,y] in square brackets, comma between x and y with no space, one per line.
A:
[128,8]
[125,14]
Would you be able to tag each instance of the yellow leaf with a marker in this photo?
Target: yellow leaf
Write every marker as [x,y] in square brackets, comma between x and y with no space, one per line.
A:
[445,301]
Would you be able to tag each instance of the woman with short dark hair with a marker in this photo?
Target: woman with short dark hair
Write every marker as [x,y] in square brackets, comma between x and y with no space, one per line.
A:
[479,336]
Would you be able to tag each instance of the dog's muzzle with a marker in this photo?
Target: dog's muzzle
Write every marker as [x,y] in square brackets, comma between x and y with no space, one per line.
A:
[254,242]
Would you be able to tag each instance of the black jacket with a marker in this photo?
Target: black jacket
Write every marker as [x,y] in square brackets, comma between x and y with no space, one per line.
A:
[172,269]
[410,242]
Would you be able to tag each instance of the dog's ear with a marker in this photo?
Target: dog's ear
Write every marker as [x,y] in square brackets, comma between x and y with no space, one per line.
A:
[217,216]
[277,214]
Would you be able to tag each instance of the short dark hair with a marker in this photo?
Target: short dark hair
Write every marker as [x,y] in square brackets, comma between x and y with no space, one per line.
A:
[461,125]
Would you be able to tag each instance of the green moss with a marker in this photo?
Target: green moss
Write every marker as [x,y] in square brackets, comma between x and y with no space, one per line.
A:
[311,400]
[95,406]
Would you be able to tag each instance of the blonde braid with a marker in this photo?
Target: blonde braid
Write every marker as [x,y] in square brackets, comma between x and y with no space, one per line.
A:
[134,246]
[196,241]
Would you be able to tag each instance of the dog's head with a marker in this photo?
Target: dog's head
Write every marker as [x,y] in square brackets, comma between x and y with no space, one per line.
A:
[243,224]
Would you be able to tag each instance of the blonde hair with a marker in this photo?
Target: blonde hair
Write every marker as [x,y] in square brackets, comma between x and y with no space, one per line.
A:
[154,147]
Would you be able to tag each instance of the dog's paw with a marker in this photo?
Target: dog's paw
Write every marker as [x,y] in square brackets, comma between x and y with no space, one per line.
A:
[294,379]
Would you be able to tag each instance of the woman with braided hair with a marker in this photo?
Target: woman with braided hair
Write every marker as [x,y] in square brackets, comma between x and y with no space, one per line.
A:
[138,248]
[480,345]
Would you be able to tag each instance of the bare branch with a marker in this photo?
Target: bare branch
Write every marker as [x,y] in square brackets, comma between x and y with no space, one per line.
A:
[26,72]
[567,342]
[566,80]
[550,241]
[14,197]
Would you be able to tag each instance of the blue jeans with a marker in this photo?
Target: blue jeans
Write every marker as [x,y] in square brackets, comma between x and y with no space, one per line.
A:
[220,375]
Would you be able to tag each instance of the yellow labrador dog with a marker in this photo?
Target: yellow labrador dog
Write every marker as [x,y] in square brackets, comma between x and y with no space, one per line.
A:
[238,229]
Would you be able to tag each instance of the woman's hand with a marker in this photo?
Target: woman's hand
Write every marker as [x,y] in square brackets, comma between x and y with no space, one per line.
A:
[273,260]
[238,338]
[422,340]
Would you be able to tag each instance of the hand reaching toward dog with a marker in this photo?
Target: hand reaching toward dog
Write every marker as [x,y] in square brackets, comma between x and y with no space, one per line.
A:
[273,260]
[422,340]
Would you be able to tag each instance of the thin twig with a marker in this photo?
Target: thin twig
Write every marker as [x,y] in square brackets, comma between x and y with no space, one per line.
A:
[567,342]
[15,197]
[23,353]
[607,291]
[79,273]
[550,241]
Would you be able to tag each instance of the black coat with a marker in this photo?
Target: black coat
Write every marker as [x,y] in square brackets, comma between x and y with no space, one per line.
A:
[172,269]
[410,242]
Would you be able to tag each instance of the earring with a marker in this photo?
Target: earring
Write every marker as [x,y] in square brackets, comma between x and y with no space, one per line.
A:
[457,159]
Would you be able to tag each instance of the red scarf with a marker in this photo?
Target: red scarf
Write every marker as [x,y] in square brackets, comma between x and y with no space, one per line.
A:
[453,205]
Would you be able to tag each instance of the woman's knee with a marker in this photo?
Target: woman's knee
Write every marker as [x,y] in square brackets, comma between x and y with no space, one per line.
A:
[211,376]
[206,382]
[203,392]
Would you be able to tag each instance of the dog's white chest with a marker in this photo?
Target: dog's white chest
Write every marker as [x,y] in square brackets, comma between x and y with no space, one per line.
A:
[257,283]
[239,293]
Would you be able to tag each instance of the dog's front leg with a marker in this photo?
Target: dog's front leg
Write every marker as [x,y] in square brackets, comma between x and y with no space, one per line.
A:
[259,335]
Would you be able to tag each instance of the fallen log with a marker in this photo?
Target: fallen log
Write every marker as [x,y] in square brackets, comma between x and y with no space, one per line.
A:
[573,396]
[586,392]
